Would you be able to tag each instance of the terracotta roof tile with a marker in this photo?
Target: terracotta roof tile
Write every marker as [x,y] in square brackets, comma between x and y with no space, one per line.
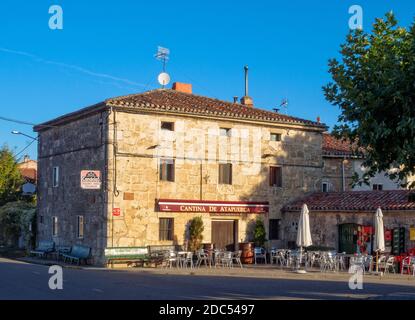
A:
[334,146]
[176,101]
[354,201]
[28,173]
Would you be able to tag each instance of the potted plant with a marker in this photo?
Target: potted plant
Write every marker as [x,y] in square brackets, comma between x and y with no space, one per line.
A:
[196,229]
[260,235]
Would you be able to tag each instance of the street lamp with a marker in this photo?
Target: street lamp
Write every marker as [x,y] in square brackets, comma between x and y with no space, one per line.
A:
[23,134]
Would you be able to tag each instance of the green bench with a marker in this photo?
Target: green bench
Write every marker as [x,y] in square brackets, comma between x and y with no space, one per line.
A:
[77,254]
[127,255]
[43,249]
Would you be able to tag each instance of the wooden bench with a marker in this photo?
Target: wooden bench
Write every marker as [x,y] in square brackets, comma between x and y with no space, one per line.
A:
[77,254]
[127,255]
[43,249]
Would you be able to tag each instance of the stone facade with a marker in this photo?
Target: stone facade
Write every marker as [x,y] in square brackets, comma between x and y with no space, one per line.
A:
[325,224]
[126,147]
[338,173]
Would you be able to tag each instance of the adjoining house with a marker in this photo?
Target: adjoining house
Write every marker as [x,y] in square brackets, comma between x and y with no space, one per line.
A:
[344,220]
[28,169]
[134,170]
[340,164]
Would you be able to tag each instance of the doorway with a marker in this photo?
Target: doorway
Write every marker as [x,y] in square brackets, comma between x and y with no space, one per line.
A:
[348,234]
[224,234]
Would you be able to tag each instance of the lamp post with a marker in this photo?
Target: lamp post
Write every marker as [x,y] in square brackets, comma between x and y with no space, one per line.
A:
[23,134]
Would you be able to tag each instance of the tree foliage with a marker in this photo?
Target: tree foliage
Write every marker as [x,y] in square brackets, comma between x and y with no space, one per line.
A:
[374,87]
[196,229]
[17,218]
[260,235]
[10,177]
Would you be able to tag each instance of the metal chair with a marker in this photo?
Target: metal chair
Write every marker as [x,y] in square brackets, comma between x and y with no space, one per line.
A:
[236,257]
[260,253]
[202,257]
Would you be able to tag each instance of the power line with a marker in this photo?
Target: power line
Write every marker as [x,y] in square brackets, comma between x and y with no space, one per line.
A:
[25,148]
[24,122]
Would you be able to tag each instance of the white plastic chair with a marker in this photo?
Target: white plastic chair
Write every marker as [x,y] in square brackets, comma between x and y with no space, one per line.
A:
[260,253]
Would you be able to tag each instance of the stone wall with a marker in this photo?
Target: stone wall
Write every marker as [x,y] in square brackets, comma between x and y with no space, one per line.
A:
[333,173]
[324,225]
[140,144]
[76,146]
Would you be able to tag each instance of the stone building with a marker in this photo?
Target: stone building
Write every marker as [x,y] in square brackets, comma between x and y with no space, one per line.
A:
[165,156]
[345,220]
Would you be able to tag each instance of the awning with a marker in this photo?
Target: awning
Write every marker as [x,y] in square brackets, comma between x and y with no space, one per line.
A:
[218,207]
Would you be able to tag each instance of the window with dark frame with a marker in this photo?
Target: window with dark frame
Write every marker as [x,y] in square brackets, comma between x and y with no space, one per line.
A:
[377,187]
[325,187]
[167,170]
[80,227]
[274,229]
[225,132]
[275,176]
[166,230]
[54,226]
[55,177]
[169,126]
[225,173]
[275,136]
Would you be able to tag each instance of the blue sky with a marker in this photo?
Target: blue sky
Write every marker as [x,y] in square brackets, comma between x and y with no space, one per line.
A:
[106,49]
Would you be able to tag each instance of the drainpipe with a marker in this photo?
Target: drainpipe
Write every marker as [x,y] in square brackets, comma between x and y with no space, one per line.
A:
[343,175]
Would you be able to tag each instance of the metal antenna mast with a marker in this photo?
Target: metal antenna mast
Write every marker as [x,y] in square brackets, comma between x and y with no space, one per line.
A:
[163,56]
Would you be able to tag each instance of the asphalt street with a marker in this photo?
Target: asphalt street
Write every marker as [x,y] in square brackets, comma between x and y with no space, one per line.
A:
[30,281]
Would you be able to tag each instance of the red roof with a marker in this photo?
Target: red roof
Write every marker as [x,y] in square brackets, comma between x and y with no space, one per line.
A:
[29,174]
[333,146]
[354,201]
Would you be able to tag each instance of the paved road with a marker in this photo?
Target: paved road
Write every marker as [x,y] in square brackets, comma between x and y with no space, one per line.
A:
[28,281]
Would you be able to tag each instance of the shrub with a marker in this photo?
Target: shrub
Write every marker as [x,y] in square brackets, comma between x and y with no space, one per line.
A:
[196,229]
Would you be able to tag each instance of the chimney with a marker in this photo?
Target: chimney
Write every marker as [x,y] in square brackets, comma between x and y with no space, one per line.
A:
[182,87]
[246,99]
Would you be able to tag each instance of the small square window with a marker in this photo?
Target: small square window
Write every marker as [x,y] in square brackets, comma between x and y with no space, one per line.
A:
[225,132]
[275,137]
[168,126]
[377,187]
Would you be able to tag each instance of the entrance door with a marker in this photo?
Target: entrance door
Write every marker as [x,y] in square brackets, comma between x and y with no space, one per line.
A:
[223,235]
[348,238]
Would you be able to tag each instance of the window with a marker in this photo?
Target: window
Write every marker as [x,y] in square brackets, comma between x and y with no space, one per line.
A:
[275,177]
[169,126]
[167,170]
[225,132]
[55,177]
[40,219]
[377,187]
[274,229]
[275,137]
[166,229]
[225,173]
[80,227]
[54,226]
[325,187]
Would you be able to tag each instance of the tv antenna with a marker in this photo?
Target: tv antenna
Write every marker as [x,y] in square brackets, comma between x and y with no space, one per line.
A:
[163,56]
[283,106]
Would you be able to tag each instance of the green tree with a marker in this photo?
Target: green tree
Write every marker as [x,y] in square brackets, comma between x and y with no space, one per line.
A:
[17,218]
[260,235]
[10,177]
[196,229]
[374,87]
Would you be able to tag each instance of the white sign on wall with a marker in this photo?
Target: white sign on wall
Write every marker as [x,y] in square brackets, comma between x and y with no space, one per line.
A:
[91,179]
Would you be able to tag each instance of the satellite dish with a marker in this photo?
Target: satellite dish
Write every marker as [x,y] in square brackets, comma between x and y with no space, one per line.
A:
[164,78]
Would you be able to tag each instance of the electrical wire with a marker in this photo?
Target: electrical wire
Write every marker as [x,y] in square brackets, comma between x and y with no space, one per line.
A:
[25,148]
[24,122]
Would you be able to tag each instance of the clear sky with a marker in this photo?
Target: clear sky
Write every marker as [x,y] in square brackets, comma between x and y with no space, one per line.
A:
[106,49]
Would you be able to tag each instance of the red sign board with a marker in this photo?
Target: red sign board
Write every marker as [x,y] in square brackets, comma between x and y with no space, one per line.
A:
[116,212]
[213,207]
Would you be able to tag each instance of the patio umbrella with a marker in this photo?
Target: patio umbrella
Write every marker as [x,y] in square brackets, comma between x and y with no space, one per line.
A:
[379,243]
[303,232]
